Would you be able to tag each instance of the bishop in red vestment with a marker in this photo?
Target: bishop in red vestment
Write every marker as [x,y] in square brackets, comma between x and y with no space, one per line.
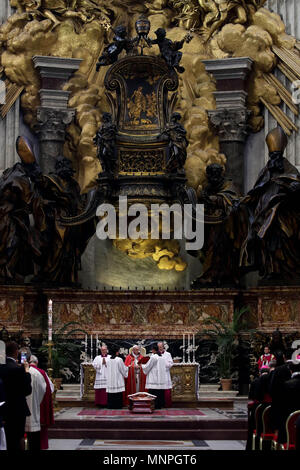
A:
[136,378]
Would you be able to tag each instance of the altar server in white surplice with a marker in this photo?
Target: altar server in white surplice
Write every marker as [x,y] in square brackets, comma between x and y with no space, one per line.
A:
[169,363]
[156,380]
[100,365]
[117,372]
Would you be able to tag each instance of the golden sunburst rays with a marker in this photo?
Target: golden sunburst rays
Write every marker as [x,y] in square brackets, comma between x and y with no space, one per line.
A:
[289,65]
[12,93]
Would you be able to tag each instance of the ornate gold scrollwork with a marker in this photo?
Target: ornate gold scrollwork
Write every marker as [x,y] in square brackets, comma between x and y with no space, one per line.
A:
[145,162]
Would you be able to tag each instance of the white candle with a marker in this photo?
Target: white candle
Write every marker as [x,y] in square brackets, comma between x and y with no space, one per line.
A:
[85,347]
[97,345]
[183,348]
[189,359]
[91,347]
[194,349]
[50,320]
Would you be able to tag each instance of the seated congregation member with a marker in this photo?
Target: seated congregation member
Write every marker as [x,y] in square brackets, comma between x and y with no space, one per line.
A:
[2,432]
[291,389]
[116,374]
[169,363]
[34,400]
[136,379]
[262,391]
[156,381]
[258,393]
[17,386]
[278,377]
[46,408]
[298,434]
[100,365]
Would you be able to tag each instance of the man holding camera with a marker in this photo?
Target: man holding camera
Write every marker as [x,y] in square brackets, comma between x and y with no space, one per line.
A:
[17,385]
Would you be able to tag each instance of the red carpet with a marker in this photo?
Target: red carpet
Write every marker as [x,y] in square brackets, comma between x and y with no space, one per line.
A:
[165,412]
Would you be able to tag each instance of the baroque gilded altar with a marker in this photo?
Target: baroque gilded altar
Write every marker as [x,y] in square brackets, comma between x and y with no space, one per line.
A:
[185,381]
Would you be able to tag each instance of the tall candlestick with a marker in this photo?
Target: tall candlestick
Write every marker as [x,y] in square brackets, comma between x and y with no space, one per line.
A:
[85,347]
[183,348]
[50,320]
[189,359]
[91,347]
[194,349]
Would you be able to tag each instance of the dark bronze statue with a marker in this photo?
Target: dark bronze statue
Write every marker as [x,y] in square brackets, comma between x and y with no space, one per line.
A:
[222,231]
[178,143]
[105,140]
[111,52]
[169,50]
[17,241]
[62,245]
[272,246]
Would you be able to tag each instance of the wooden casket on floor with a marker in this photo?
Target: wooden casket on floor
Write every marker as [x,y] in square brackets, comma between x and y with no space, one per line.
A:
[141,402]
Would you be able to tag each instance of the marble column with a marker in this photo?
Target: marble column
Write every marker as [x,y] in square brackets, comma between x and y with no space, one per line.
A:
[231,115]
[53,116]
[9,126]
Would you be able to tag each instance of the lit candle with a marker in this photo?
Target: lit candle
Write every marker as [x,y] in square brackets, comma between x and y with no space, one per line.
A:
[183,348]
[91,347]
[50,320]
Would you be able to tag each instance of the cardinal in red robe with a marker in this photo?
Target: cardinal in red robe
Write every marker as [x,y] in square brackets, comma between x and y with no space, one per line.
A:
[136,378]
[265,358]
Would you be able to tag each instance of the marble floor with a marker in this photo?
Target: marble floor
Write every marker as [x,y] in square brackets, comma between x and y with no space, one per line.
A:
[239,411]
[96,444]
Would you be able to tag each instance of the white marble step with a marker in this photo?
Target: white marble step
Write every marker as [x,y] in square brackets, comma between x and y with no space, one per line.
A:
[209,387]
[205,391]
[217,393]
[69,391]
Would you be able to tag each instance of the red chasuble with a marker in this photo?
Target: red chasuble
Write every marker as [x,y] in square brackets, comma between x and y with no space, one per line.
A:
[130,381]
[46,410]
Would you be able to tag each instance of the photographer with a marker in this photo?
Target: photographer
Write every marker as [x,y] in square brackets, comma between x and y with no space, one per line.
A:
[17,385]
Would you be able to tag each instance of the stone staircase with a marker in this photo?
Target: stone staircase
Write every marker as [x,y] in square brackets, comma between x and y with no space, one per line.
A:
[209,396]
[185,428]
[69,391]
[141,428]
[212,391]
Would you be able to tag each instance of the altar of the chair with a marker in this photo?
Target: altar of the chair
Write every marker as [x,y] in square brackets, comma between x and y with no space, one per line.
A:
[185,381]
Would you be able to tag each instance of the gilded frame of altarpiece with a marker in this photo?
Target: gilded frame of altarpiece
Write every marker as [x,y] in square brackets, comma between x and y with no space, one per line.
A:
[137,88]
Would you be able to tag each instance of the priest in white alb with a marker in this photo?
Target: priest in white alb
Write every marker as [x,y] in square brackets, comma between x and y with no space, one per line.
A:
[156,380]
[100,365]
[169,363]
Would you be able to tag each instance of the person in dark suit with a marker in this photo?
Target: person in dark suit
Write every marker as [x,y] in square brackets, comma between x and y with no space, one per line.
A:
[291,390]
[2,401]
[298,434]
[17,385]
[258,394]
[278,377]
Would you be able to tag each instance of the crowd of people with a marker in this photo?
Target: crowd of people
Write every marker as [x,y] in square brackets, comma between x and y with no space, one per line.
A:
[26,401]
[277,386]
[26,407]
[116,379]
